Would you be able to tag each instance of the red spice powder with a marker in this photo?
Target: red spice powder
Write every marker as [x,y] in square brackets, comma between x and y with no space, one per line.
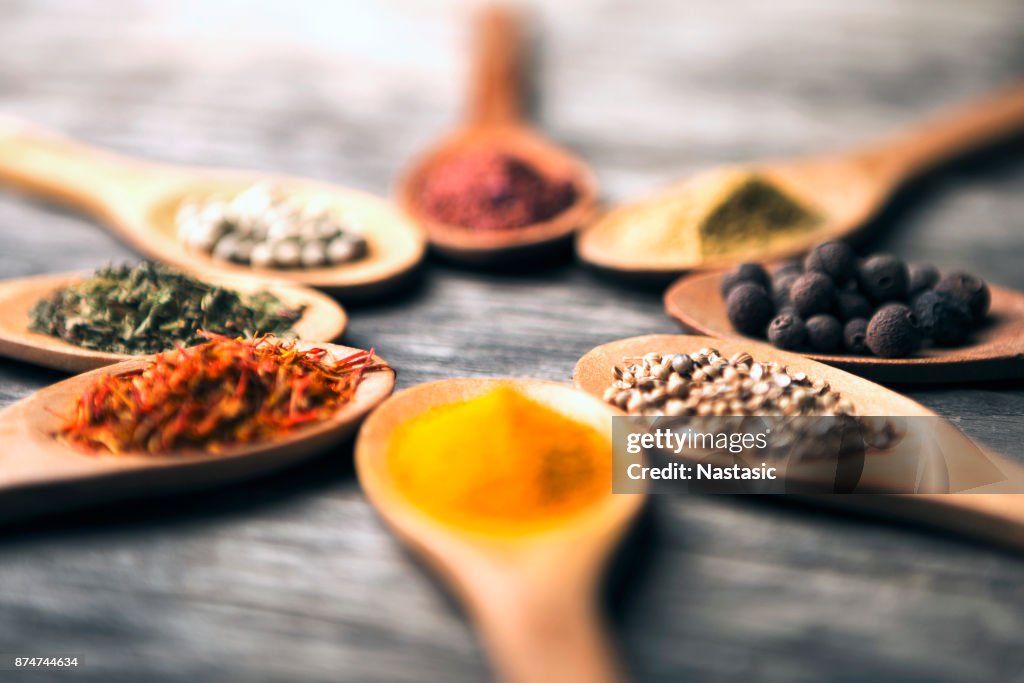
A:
[491,190]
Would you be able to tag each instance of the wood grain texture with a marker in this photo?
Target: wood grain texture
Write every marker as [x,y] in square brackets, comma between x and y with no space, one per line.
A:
[293,578]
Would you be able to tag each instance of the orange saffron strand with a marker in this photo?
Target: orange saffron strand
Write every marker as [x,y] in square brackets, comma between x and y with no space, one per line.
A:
[219,393]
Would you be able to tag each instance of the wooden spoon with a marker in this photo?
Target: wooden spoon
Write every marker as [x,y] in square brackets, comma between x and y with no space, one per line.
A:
[139,200]
[40,474]
[847,189]
[495,122]
[322,320]
[533,597]
[994,512]
[996,350]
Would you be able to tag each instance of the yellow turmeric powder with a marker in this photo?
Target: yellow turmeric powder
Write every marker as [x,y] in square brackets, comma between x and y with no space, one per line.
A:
[500,463]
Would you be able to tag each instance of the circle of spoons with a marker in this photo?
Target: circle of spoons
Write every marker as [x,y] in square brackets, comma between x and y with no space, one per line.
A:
[264,227]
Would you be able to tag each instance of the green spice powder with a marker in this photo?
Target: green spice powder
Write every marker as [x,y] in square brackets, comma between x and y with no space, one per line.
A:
[751,214]
[150,307]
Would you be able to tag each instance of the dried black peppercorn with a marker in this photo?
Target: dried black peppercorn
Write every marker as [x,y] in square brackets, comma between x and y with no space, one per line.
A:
[745,272]
[781,282]
[942,319]
[794,265]
[824,333]
[855,336]
[813,293]
[893,331]
[883,278]
[968,290]
[833,258]
[787,331]
[921,276]
[749,308]
[852,305]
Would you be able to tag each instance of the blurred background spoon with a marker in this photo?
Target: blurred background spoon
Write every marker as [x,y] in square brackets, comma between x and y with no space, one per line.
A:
[494,121]
[846,189]
[139,201]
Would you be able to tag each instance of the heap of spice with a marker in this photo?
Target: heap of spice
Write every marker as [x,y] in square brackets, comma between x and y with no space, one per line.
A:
[221,393]
[707,384]
[492,190]
[834,301]
[719,213]
[265,227]
[149,307]
[500,463]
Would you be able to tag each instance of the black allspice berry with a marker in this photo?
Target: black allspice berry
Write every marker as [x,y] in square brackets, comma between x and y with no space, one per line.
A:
[833,258]
[787,331]
[852,305]
[749,308]
[789,309]
[893,331]
[813,293]
[781,283]
[855,335]
[942,319]
[883,278]
[794,265]
[824,333]
[921,276]
[970,291]
[745,272]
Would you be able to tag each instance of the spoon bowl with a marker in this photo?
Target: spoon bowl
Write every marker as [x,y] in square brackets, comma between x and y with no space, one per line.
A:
[533,596]
[475,246]
[845,190]
[139,201]
[993,512]
[323,320]
[38,473]
[495,123]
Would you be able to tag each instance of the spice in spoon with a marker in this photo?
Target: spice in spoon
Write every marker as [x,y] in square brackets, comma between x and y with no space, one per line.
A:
[705,388]
[222,393]
[706,384]
[715,214]
[833,301]
[149,307]
[265,227]
[492,190]
[500,463]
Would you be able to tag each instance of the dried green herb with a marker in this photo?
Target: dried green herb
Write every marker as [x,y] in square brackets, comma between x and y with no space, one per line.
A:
[150,308]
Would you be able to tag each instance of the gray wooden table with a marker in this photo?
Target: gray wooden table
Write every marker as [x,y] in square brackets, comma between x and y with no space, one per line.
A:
[293,578]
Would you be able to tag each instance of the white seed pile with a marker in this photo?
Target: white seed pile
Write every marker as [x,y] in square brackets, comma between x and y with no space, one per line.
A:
[730,392]
[706,384]
[263,227]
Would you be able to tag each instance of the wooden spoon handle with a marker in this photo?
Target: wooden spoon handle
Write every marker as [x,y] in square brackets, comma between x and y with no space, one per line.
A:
[44,163]
[496,88]
[975,124]
[549,634]
[996,516]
